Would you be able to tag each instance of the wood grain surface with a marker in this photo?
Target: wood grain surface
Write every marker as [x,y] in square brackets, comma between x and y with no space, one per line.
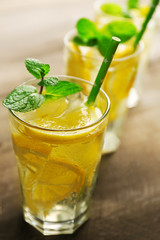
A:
[126,201]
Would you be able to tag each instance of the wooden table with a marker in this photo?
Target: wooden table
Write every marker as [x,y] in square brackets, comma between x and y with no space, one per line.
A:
[126,202]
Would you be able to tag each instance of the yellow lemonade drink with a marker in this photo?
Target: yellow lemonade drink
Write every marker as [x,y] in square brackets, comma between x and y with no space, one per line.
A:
[84,62]
[58,148]
[137,16]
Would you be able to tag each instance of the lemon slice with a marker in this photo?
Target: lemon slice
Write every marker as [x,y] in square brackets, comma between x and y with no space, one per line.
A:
[121,76]
[144,10]
[120,80]
[56,181]
[120,83]
[27,142]
[80,61]
[86,156]
[124,50]
[36,138]
[29,166]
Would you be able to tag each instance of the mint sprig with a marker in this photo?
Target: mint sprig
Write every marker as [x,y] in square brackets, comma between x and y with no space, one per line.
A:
[90,35]
[25,98]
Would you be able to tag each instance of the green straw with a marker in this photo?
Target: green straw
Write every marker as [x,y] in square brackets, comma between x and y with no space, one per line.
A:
[103,70]
[146,21]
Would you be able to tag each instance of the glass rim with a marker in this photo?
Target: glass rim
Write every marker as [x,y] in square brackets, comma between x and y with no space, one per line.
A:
[67,130]
[67,38]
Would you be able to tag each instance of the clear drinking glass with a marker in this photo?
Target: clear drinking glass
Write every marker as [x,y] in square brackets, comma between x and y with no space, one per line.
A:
[83,62]
[57,166]
[138,16]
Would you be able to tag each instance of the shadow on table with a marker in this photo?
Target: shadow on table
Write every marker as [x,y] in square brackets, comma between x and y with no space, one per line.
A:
[18,229]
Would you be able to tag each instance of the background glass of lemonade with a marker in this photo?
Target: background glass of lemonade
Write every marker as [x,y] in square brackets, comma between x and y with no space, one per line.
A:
[58,149]
[84,62]
[137,17]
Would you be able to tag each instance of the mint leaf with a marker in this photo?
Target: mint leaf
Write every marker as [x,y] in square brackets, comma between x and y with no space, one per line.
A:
[62,89]
[79,41]
[23,99]
[122,29]
[37,68]
[18,94]
[45,69]
[87,29]
[30,103]
[112,9]
[50,81]
[133,4]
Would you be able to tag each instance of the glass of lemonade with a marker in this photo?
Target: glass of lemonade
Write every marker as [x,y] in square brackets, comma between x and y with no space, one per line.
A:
[58,148]
[84,62]
[137,17]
